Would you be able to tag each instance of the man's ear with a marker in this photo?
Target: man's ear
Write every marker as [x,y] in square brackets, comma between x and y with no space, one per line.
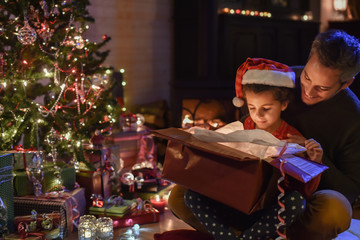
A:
[347,84]
[284,105]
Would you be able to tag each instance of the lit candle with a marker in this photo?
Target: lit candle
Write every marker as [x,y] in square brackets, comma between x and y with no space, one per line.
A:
[85,218]
[158,203]
[86,231]
[104,228]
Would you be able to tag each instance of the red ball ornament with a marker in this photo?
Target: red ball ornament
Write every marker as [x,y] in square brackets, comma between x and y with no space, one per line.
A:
[104,36]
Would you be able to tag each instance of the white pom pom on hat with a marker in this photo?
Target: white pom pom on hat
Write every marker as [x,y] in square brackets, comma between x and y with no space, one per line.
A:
[262,71]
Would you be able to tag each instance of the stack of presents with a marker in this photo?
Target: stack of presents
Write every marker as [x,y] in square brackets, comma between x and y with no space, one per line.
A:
[120,179]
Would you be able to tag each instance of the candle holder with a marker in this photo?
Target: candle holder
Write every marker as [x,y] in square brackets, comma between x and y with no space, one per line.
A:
[127,236]
[86,230]
[87,218]
[158,202]
[104,228]
[35,174]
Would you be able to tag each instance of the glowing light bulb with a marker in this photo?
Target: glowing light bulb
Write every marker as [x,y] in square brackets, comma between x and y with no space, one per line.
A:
[46,72]
[122,70]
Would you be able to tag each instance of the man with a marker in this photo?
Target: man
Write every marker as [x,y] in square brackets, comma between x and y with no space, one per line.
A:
[327,110]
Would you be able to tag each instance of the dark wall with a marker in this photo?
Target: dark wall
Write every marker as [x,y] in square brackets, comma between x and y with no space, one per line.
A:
[209,46]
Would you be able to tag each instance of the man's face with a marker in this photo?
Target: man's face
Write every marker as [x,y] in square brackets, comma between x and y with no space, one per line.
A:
[319,83]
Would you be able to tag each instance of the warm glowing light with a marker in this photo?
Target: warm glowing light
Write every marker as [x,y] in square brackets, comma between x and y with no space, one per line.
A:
[123,83]
[122,70]
[25,83]
[225,10]
[108,71]
[340,5]
[187,120]
[46,72]
[25,62]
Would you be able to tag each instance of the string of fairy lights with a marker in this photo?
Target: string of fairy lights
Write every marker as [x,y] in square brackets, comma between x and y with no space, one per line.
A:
[246,12]
[66,79]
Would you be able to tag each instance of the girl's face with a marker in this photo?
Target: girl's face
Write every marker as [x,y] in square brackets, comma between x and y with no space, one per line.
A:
[264,110]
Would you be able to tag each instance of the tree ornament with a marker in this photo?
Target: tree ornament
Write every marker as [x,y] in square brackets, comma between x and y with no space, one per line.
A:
[45,8]
[45,32]
[97,79]
[55,10]
[26,35]
[105,37]
[1,29]
[79,42]
[69,42]
[64,2]
[3,64]
[47,223]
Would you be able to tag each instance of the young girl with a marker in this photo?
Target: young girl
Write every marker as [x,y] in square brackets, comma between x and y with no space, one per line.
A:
[267,88]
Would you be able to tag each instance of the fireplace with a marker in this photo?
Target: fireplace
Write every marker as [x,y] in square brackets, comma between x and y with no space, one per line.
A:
[207,113]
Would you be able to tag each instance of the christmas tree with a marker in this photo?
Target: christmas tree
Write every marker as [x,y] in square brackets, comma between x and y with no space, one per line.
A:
[54,92]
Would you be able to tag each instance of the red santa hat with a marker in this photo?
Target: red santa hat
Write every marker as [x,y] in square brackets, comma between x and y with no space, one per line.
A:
[262,71]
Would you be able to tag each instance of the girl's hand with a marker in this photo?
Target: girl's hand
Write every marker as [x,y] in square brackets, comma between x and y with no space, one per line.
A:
[295,139]
[314,150]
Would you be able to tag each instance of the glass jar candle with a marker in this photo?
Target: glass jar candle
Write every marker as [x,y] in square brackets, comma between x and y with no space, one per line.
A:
[104,228]
[86,231]
[90,218]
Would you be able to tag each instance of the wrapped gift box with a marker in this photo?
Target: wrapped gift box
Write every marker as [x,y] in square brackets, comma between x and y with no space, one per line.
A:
[114,210]
[24,187]
[225,174]
[96,155]
[22,158]
[125,145]
[94,182]
[19,237]
[6,186]
[136,217]
[69,206]
[55,216]
[111,211]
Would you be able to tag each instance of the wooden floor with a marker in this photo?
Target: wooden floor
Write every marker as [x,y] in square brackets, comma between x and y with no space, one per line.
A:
[167,222]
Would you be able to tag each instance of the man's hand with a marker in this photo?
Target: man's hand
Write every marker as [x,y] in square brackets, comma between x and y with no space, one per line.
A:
[295,139]
[314,150]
